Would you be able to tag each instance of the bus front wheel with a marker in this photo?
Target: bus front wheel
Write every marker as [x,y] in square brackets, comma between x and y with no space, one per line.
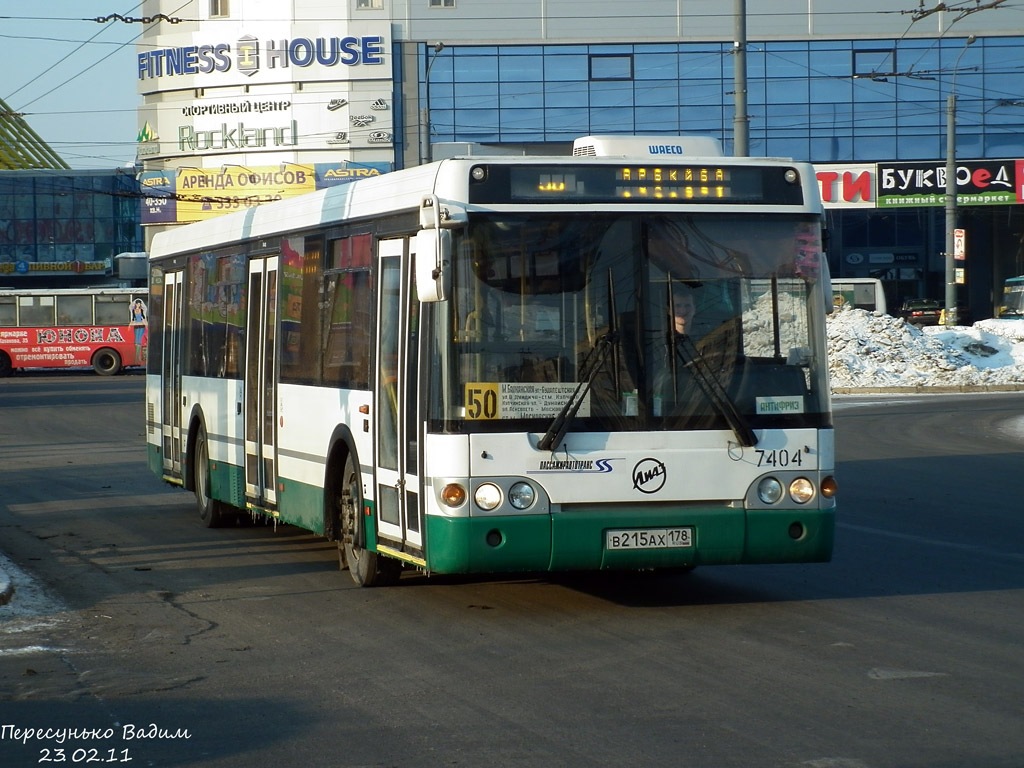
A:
[106,362]
[368,569]
[211,511]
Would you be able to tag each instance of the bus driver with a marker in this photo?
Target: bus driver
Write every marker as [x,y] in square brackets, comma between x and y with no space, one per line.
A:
[682,310]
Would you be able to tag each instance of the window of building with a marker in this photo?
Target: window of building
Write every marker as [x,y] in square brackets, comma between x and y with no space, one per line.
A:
[218,8]
[369,4]
[442,3]
[880,62]
[611,66]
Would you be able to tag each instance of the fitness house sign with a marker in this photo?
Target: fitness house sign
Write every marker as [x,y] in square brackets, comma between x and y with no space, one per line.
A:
[250,56]
[283,115]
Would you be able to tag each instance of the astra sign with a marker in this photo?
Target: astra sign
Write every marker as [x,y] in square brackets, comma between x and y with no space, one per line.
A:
[249,55]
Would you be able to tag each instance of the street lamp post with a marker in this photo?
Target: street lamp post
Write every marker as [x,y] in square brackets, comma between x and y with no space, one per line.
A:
[740,120]
[425,153]
[951,192]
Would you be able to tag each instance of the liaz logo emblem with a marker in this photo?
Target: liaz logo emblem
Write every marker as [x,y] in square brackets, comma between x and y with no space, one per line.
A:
[649,475]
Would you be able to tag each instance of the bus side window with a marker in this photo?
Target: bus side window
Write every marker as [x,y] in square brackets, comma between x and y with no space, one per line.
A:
[113,310]
[36,311]
[347,306]
[346,359]
[77,310]
[8,312]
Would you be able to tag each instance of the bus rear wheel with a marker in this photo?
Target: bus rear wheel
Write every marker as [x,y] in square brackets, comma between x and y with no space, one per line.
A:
[368,569]
[211,511]
[106,362]
[6,369]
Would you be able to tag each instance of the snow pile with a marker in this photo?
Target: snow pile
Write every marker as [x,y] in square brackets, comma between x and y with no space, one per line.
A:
[869,349]
[760,326]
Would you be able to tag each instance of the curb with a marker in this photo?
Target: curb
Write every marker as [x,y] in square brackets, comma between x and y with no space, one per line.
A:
[923,389]
[6,589]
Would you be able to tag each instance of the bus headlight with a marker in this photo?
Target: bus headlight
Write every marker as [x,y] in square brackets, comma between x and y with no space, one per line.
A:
[487,496]
[801,490]
[769,490]
[522,495]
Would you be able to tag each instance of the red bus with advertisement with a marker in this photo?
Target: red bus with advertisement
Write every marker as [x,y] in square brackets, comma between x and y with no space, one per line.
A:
[102,328]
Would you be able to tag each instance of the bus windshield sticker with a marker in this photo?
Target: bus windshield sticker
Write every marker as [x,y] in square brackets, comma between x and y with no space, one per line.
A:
[519,400]
[776,406]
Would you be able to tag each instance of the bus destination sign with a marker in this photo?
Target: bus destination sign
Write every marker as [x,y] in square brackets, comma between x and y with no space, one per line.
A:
[657,183]
[639,183]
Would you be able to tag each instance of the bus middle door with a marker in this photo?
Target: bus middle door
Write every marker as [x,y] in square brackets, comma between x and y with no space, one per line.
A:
[260,384]
[396,393]
[171,402]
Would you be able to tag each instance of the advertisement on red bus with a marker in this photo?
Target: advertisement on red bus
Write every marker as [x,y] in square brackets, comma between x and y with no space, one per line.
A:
[102,329]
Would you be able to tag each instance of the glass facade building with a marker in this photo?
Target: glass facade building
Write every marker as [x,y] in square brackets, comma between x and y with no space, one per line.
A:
[862,101]
[849,87]
[823,100]
[61,228]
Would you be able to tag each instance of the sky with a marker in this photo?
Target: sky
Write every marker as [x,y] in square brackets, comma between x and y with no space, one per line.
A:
[73,78]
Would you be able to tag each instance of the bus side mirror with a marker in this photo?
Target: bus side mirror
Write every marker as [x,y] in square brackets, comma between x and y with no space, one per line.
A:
[433,264]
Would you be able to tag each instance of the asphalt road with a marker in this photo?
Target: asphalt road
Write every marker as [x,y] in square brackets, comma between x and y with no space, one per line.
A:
[135,633]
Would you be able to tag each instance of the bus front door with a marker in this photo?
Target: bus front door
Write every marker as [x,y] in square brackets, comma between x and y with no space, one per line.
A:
[399,524]
[260,386]
[171,404]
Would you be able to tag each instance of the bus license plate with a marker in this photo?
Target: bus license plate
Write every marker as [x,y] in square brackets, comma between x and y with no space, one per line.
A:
[649,538]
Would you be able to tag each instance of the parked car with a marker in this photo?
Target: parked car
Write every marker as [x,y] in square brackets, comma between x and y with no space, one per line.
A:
[921,311]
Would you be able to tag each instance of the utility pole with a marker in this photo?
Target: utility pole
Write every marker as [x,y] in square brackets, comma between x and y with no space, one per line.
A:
[950,209]
[426,155]
[740,119]
[951,192]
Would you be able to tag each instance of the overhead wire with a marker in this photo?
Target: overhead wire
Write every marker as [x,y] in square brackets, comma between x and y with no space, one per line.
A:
[411,119]
[65,58]
[81,71]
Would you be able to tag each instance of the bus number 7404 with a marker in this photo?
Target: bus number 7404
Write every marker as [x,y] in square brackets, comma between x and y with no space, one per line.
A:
[779,458]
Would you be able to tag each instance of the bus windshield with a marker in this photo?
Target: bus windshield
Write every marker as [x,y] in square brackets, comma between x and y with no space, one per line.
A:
[634,322]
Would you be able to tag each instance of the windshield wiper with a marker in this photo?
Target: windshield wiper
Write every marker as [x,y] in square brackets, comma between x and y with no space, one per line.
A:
[595,360]
[714,391]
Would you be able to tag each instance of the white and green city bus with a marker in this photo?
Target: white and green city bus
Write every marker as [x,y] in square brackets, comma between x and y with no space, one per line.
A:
[471,366]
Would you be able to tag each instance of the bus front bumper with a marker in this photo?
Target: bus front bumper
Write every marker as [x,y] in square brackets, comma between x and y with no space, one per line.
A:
[577,539]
